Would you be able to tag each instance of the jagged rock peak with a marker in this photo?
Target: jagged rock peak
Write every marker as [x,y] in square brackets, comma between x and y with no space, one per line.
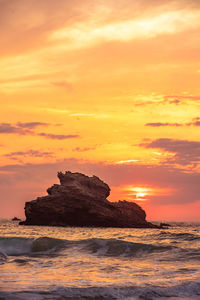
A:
[81,184]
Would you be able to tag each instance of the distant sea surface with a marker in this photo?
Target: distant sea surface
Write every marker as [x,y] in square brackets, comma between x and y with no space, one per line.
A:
[39,263]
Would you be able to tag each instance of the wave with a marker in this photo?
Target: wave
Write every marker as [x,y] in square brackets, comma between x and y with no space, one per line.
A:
[16,246]
[146,292]
[3,258]
[191,290]
[187,236]
[180,236]
[114,247]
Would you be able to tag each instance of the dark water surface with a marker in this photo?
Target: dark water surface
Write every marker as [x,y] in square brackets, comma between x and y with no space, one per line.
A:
[39,263]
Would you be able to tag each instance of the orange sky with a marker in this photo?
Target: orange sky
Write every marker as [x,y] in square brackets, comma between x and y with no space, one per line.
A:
[109,88]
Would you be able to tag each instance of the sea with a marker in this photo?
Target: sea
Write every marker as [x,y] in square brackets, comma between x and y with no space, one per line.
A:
[70,263]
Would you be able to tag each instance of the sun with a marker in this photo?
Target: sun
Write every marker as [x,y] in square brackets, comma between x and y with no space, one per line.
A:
[140,193]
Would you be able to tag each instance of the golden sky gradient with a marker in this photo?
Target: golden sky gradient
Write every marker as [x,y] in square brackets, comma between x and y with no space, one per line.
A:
[109,88]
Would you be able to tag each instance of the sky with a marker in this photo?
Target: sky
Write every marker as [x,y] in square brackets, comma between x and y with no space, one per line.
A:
[105,88]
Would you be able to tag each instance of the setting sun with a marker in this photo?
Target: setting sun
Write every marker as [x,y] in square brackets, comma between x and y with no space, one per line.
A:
[139,192]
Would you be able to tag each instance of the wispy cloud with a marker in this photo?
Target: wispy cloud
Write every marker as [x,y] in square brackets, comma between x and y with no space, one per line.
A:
[78,149]
[159,124]
[31,124]
[27,129]
[185,152]
[128,162]
[58,136]
[142,100]
[6,128]
[194,122]
[20,128]
[84,35]
[28,153]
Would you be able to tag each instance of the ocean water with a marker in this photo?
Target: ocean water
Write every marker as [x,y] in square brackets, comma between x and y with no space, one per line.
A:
[39,263]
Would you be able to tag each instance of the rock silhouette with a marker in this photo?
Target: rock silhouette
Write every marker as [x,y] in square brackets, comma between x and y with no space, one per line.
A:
[16,219]
[80,200]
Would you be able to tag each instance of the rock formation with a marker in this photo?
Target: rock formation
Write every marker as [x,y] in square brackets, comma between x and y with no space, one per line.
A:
[80,200]
[16,219]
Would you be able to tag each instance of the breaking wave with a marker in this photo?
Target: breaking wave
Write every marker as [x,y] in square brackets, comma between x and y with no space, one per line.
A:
[114,247]
[16,246]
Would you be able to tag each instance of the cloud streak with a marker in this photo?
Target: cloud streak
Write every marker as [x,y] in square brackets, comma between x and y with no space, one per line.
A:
[20,128]
[58,136]
[26,129]
[28,153]
[165,23]
[165,100]
[194,122]
[185,152]
[6,128]
[31,124]
[160,124]
[78,149]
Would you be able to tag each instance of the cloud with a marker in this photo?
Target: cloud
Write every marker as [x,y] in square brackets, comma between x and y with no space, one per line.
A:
[185,152]
[29,153]
[157,99]
[129,161]
[145,27]
[159,124]
[194,122]
[83,149]
[197,123]
[9,128]
[31,124]
[58,136]
[26,25]
[25,129]
[178,98]
[20,128]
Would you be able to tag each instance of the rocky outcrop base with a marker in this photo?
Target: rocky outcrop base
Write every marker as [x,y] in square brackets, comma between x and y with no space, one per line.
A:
[80,200]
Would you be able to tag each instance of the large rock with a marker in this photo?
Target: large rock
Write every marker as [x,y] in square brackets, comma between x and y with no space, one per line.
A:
[80,200]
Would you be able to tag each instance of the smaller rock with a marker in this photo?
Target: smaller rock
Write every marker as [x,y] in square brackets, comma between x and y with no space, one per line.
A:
[163,225]
[16,219]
